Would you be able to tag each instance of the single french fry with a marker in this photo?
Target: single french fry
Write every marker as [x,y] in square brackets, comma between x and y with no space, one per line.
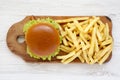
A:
[66,56]
[91,59]
[85,57]
[65,48]
[107,31]
[65,42]
[96,45]
[96,41]
[91,50]
[71,19]
[84,22]
[99,35]
[81,59]
[106,42]
[102,25]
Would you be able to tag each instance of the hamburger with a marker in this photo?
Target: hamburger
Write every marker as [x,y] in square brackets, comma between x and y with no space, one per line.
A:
[42,38]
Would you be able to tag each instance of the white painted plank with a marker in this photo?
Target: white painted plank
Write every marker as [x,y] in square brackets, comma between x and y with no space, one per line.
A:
[12,67]
[53,76]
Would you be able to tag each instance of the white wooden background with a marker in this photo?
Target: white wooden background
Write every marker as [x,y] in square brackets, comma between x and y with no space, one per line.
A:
[12,67]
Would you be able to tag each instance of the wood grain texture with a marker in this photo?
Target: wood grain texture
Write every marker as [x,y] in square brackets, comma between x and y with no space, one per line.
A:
[14,68]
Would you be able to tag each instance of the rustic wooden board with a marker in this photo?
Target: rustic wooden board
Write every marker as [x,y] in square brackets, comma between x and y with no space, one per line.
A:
[16,30]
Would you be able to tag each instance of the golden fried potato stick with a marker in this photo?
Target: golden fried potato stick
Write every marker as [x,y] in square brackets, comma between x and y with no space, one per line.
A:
[71,19]
[84,22]
[66,56]
[102,25]
[86,57]
[106,42]
[99,34]
[66,48]
[107,31]
[81,59]
[91,50]
[65,41]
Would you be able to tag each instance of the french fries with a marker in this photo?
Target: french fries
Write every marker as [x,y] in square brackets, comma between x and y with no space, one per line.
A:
[85,38]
